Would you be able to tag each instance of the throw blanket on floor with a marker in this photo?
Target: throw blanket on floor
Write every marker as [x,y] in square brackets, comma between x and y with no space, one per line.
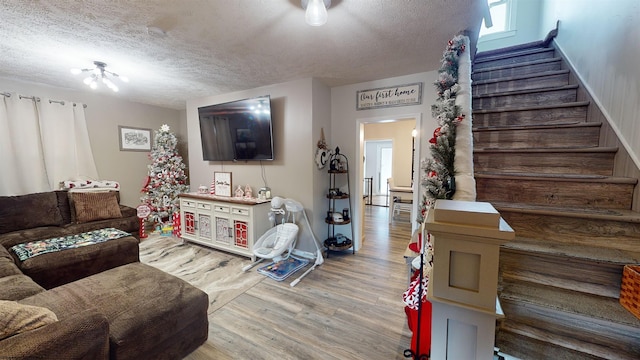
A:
[34,248]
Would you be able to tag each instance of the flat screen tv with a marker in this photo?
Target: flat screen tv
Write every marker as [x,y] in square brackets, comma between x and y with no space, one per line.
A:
[237,131]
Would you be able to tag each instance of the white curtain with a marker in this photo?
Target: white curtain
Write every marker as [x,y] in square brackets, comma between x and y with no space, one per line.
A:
[43,143]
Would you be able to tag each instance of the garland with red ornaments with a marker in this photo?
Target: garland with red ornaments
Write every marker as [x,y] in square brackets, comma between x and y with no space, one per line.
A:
[438,179]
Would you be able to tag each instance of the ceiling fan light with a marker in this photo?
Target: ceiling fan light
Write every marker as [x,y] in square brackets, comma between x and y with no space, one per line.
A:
[316,13]
[99,73]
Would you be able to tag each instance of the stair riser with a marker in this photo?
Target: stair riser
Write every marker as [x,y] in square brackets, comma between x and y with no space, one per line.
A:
[548,163]
[568,115]
[550,97]
[539,82]
[569,230]
[500,61]
[516,71]
[597,278]
[593,339]
[556,193]
[550,138]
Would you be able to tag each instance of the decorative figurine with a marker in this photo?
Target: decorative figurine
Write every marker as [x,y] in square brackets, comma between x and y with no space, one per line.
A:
[239,192]
[248,193]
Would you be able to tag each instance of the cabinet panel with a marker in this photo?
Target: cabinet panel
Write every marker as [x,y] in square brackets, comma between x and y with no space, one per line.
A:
[223,231]
[241,234]
[204,226]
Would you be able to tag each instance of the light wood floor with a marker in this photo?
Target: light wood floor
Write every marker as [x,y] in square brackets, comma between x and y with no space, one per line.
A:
[348,308]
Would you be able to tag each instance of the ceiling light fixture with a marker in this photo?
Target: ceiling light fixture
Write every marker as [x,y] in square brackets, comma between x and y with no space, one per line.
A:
[316,11]
[100,73]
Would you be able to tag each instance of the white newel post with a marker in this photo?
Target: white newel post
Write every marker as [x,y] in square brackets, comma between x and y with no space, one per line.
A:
[463,285]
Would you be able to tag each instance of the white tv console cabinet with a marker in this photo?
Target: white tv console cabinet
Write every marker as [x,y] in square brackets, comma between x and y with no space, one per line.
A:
[224,223]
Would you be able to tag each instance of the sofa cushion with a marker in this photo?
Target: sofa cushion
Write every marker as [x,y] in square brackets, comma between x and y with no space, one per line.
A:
[17,318]
[84,335]
[92,206]
[27,235]
[7,266]
[151,314]
[61,267]
[29,211]
[19,286]
[63,205]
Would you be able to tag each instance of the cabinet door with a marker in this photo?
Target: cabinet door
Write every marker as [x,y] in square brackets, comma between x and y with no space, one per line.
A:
[241,234]
[241,225]
[189,222]
[204,227]
[223,230]
[188,208]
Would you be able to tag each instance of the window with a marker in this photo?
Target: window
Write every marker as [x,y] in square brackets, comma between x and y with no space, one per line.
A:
[502,16]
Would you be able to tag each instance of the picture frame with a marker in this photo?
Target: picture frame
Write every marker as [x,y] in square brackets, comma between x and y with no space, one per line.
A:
[222,183]
[385,97]
[134,139]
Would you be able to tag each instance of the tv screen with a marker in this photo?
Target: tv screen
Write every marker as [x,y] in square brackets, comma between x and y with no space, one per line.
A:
[237,130]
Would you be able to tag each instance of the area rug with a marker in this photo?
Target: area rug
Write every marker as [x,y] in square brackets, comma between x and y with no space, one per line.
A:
[215,272]
[284,268]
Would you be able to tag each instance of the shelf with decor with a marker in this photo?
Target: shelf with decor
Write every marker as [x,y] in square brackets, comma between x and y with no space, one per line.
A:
[338,173]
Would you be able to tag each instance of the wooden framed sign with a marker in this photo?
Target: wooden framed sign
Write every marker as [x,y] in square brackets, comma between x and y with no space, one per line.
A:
[222,183]
[401,95]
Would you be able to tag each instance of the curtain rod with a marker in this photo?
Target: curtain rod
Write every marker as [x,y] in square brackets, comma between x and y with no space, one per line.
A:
[37,99]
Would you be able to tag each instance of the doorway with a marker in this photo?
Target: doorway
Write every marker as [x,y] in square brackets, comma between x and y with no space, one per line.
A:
[372,134]
[378,165]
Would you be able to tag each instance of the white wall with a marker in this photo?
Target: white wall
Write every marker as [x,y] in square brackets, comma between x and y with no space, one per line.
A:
[347,125]
[292,174]
[103,115]
[601,39]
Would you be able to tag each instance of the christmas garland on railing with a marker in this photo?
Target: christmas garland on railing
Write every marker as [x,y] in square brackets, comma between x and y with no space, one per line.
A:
[438,179]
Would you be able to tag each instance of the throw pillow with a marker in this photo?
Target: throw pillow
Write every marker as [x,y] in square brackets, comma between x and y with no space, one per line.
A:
[17,318]
[92,206]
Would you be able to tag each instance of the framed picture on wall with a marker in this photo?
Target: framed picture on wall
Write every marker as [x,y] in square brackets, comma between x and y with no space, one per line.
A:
[134,139]
[222,183]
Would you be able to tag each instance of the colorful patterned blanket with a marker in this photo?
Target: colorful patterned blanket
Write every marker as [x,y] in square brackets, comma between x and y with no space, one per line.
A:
[34,248]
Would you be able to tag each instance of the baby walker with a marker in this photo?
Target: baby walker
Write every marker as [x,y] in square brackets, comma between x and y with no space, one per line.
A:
[279,242]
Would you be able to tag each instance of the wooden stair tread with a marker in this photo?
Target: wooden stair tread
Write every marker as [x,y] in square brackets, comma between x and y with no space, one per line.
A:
[530,45]
[520,77]
[526,91]
[536,107]
[522,64]
[573,251]
[601,214]
[548,150]
[586,307]
[526,342]
[541,126]
[558,177]
[480,58]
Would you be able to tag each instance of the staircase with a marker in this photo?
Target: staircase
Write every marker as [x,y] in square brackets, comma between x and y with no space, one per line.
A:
[540,161]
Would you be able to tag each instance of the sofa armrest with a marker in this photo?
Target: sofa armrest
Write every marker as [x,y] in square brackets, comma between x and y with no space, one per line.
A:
[84,335]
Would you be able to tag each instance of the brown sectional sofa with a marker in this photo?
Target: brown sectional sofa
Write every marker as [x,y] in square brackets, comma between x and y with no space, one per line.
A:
[103,303]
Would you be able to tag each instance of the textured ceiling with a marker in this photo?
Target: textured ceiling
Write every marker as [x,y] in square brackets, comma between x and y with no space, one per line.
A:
[218,46]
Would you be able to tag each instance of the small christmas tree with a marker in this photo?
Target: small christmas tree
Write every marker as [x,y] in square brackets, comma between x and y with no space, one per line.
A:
[166,179]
